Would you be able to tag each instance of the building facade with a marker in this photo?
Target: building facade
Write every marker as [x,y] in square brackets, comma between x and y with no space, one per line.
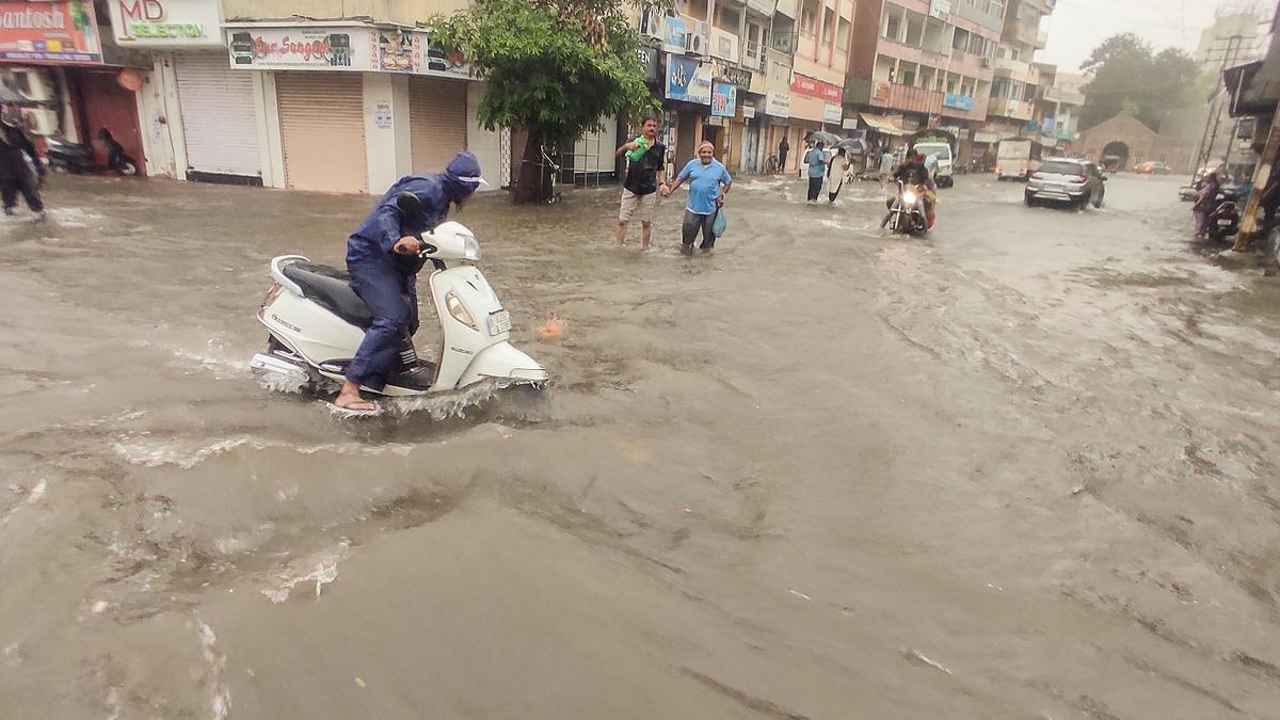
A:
[1016,87]
[920,64]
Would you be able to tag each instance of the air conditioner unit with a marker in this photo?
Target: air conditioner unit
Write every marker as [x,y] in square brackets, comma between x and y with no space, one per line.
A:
[41,121]
[697,41]
[33,84]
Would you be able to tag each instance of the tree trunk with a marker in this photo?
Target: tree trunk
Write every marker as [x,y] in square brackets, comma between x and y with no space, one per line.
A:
[533,184]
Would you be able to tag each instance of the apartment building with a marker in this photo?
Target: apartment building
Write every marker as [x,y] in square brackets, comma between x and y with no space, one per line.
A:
[1015,90]
[1058,105]
[918,64]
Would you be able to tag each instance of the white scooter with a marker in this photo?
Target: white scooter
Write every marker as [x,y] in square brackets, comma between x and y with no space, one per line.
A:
[316,322]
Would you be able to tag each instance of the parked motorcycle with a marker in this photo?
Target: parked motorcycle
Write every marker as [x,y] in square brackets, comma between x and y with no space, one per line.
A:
[1224,220]
[78,159]
[906,211]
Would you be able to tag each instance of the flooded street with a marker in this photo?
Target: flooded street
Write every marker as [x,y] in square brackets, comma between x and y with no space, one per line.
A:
[1026,467]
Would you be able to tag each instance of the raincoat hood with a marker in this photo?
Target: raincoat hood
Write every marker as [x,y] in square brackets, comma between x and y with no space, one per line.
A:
[462,177]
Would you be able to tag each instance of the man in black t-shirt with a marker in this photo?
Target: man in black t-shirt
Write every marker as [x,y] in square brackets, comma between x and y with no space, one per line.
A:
[645,175]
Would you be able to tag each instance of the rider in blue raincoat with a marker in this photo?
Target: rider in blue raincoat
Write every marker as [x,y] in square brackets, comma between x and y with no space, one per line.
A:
[382,257]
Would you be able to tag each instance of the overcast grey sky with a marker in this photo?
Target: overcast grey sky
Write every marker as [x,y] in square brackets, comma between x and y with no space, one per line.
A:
[1078,26]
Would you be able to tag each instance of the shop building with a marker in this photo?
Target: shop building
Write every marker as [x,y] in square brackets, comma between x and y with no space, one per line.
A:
[60,56]
[823,42]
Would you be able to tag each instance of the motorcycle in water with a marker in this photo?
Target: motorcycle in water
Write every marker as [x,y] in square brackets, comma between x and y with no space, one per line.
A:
[77,159]
[906,211]
[316,321]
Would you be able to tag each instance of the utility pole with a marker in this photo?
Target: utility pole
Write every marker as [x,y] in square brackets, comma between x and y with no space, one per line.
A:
[1205,151]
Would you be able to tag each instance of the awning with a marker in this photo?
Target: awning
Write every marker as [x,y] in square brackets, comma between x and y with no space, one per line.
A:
[882,125]
[1244,90]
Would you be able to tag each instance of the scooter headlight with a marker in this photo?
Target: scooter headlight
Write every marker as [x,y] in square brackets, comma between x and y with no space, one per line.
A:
[909,198]
[459,311]
[471,249]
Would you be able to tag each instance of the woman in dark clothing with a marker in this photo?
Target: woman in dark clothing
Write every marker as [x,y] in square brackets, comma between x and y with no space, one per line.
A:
[117,159]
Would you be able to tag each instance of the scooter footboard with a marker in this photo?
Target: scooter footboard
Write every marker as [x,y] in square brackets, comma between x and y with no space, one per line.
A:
[503,361]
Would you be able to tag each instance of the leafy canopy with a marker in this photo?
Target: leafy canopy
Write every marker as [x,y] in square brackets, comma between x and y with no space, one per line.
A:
[1129,75]
[556,67]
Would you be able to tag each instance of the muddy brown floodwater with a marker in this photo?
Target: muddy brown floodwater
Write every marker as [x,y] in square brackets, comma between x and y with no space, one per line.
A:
[1024,468]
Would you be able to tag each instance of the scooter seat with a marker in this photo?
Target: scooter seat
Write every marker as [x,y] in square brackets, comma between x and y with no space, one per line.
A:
[330,288]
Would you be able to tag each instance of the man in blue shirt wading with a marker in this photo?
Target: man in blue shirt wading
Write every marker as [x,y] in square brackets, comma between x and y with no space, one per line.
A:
[817,161]
[706,176]
[382,257]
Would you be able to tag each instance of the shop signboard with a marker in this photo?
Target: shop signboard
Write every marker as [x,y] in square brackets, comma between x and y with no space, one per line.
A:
[688,80]
[411,51]
[49,32]
[166,23]
[804,85]
[674,35]
[354,48]
[777,104]
[648,56]
[724,100]
[748,111]
[735,75]
[832,113]
[958,102]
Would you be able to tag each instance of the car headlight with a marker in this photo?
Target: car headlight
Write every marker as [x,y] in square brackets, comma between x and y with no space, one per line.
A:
[471,249]
[909,198]
[459,311]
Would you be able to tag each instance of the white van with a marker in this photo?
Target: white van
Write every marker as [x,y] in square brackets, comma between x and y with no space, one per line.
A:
[944,174]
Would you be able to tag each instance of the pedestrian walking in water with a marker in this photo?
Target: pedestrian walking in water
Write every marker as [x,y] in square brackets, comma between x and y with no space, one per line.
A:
[816,160]
[645,177]
[784,148]
[16,176]
[802,167]
[1206,200]
[837,173]
[709,183]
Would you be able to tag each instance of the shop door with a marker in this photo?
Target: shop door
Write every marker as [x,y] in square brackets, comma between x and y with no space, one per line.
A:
[219,121]
[322,130]
[437,122]
[751,150]
[685,138]
[107,105]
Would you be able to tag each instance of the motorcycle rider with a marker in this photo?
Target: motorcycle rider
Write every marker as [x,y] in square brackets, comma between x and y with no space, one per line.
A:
[15,175]
[914,172]
[382,257]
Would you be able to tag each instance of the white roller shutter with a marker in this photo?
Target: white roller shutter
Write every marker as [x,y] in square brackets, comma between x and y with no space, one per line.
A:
[437,121]
[218,117]
[322,130]
[594,151]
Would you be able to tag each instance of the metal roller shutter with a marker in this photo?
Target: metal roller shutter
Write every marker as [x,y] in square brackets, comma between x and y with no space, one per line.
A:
[437,121]
[218,117]
[322,130]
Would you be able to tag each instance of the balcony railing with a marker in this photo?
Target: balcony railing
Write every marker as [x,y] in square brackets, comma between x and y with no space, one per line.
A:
[1058,95]
[1007,107]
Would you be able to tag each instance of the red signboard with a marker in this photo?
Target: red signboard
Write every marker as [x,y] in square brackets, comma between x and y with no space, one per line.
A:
[49,32]
[803,85]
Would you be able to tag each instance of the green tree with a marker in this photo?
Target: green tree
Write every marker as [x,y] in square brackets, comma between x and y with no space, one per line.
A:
[1127,73]
[556,68]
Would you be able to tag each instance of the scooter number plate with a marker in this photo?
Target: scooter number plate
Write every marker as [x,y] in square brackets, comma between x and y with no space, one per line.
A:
[499,322]
[1224,223]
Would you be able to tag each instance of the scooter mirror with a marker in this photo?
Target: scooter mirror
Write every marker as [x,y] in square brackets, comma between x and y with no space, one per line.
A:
[408,203]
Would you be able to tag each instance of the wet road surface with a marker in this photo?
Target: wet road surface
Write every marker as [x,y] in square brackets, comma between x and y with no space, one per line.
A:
[1023,468]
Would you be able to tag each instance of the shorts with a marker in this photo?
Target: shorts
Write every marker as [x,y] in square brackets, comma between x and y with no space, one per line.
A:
[632,202]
